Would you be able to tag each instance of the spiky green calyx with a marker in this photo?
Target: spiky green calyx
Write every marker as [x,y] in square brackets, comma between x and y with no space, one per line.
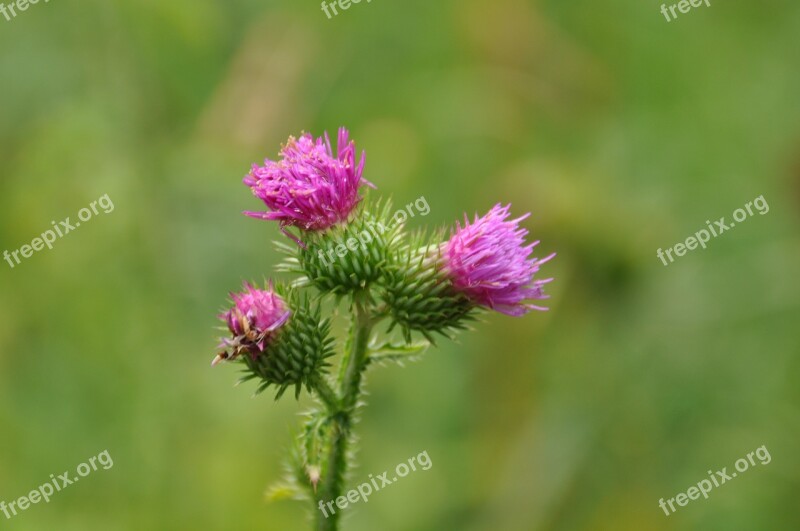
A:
[299,352]
[347,257]
[420,296]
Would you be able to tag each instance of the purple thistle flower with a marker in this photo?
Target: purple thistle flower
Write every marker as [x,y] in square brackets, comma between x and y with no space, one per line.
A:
[309,188]
[488,261]
[253,320]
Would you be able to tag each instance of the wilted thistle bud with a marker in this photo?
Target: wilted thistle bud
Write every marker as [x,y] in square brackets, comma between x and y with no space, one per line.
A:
[254,321]
[282,343]
[483,264]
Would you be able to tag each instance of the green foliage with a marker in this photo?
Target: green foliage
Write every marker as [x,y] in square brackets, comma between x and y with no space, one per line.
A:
[398,353]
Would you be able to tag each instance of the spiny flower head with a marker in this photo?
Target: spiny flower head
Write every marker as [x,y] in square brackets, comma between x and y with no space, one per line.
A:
[489,262]
[309,187]
[254,318]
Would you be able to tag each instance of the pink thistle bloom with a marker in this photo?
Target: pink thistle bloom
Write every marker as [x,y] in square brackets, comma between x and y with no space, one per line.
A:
[309,187]
[488,261]
[254,319]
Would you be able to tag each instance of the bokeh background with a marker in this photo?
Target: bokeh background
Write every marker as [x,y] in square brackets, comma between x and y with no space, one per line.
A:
[620,131]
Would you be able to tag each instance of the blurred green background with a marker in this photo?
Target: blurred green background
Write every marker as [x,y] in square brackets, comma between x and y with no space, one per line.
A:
[620,131]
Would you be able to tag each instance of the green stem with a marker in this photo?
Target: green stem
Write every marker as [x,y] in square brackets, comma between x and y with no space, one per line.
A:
[351,383]
[342,418]
[326,394]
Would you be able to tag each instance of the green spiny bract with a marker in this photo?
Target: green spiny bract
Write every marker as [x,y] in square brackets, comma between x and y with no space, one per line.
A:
[298,355]
[347,257]
[420,296]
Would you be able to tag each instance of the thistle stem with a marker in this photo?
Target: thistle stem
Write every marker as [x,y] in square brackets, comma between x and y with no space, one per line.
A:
[327,394]
[341,417]
[351,383]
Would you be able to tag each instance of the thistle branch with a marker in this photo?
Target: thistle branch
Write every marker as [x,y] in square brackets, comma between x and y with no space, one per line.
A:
[327,394]
[354,363]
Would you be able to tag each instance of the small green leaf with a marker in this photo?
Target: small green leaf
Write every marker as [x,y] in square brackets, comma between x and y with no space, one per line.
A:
[397,352]
[284,491]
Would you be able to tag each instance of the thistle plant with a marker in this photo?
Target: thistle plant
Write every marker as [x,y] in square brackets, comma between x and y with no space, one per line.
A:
[350,250]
